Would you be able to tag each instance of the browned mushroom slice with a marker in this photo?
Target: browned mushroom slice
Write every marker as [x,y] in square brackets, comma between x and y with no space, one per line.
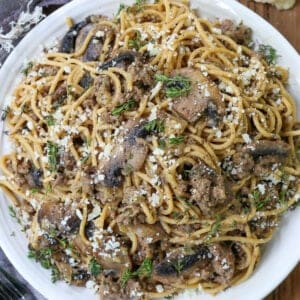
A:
[204,98]
[259,158]
[56,216]
[127,157]
[94,46]
[239,33]
[179,265]
[223,263]
[210,190]
[124,59]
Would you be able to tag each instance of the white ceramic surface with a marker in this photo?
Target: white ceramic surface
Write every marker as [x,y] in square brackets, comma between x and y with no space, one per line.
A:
[281,255]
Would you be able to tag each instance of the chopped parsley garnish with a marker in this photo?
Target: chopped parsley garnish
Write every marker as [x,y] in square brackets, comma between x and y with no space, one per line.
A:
[282,198]
[85,158]
[128,168]
[34,190]
[121,7]
[155,125]
[28,68]
[176,140]
[50,120]
[268,53]
[126,275]
[144,270]
[175,86]
[55,275]
[139,4]
[52,150]
[129,105]
[162,144]
[178,265]
[215,228]
[260,202]
[136,43]
[5,113]
[13,214]
[43,256]
[94,267]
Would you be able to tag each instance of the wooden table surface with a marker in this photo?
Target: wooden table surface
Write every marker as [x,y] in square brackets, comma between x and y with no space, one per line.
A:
[288,23]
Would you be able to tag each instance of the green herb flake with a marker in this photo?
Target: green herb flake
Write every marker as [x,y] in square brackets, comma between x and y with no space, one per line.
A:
[176,140]
[94,267]
[128,169]
[27,68]
[282,198]
[13,214]
[126,275]
[145,268]
[139,4]
[121,7]
[129,105]
[175,86]
[268,53]
[178,265]
[215,228]
[55,274]
[52,150]
[50,120]
[5,113]
[85,158]
[155,125]
[259,202]
[162,144]
[34,190]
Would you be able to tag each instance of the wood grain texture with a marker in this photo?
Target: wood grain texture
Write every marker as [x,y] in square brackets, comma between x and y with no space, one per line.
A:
[288,23]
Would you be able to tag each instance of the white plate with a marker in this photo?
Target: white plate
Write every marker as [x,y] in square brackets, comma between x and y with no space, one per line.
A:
[281,255]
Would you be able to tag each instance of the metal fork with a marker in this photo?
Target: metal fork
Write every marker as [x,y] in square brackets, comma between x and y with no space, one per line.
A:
[12,289]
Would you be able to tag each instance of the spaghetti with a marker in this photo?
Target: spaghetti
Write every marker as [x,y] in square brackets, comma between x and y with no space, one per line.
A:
[154,152]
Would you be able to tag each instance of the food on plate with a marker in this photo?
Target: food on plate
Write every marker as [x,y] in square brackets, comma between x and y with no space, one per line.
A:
[280,4]
[152,153]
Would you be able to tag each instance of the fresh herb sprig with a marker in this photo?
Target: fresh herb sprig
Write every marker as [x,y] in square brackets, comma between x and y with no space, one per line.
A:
[175,86]
[5,113]
[128,105]
[268,53]
[94,267]
[44,257]
[13,214]
[50,120]
[121,7]
[52,151]
[259,201]
[176,140]
[215,228]
[144,270]
[136,42]
[155,125]
[27,68]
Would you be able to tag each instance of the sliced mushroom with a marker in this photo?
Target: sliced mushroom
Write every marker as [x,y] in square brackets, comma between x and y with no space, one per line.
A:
[56,216]
[179,264]
[259,158]
[210,190]
[123,59]
[239,33]
[128,156]
[68,41]
[223,262]
[204,98]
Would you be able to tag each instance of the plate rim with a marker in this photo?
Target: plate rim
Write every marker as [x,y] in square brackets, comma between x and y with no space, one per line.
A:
[236,6]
